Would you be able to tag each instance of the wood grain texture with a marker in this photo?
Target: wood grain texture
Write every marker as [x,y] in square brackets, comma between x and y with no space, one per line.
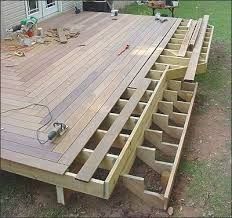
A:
[87,171]
[192,66]
[81,85]
[185,44]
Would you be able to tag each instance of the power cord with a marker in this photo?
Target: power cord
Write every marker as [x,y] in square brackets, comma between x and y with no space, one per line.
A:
[38,130]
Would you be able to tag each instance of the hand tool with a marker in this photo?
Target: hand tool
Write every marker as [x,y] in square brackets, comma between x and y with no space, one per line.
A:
[59,130]
[127,46]
[159,18]
[162,20]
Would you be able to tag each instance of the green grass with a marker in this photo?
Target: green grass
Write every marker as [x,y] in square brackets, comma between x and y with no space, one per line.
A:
[210,187]
[216,85]
[219,11]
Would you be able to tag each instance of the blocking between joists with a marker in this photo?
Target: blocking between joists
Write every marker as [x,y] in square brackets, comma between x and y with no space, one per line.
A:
[129,92]
[155,137]
[147,155]
[111,117]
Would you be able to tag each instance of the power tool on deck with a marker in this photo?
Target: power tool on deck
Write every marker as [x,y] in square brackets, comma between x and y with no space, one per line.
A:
[59,130]
[26,25]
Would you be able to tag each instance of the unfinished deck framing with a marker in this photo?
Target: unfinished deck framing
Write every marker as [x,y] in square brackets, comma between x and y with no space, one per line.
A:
[112,103]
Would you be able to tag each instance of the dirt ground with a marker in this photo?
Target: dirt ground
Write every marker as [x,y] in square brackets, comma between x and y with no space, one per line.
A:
[208,133]
[40,198]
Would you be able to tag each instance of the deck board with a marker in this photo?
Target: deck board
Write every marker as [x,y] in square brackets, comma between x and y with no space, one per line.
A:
[80,84]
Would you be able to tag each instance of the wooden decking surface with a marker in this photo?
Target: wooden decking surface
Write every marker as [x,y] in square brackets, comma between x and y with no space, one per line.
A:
[80,85]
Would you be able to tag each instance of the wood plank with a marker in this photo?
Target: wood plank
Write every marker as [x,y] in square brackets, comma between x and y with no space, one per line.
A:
[24,140]
[136,186]
[23,131]
[57,53]
[30,151]
[97,68]
[70,154]
[61,35]
[68,61]
[124,65]
[192,66]
[95,187]
[32,161]
[179,151]
[128,153]
[87,171]
[155,55]
[185,43]
[195,34]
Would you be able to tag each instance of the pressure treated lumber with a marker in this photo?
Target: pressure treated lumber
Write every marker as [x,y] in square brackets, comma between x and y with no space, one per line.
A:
[89,87]
[185,43]
[61,35]
[195,34]
[87,171]
[155,55]
[192,66]
[131,71]
[179,150]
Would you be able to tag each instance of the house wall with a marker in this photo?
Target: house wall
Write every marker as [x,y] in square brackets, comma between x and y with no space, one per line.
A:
[11,13]
[14,11]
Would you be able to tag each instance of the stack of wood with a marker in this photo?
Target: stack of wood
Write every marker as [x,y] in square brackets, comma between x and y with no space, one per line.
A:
[193,41]
[61,34]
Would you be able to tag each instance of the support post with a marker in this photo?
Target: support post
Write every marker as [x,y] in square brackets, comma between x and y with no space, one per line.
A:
[60,194]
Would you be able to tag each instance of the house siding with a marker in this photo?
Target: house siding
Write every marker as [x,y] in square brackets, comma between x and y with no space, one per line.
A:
[11,13]
[14,11]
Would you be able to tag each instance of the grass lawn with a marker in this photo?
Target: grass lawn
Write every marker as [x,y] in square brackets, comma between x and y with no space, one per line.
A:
[209,175]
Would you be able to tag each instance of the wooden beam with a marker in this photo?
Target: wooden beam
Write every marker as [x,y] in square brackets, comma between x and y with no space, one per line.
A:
[155,138]
[174,85]
[60,195]
[195,34]
[136,186]
[179,61]
[192,66]
[185,43]
[128,153]
[179,151]
[119,142]
[130,124]
[147,155]
[181,71]
[95,187]
[90,166]
[107,163]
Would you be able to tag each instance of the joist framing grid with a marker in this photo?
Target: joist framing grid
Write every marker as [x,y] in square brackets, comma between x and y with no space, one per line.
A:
[153,101]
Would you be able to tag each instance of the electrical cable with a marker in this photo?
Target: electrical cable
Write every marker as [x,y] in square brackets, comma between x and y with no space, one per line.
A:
[38,130]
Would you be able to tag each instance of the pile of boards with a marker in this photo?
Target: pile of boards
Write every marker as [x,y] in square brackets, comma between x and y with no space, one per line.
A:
[193,40]
[62,34]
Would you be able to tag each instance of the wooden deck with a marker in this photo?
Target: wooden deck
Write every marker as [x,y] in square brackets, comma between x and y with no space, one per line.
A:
[107,100]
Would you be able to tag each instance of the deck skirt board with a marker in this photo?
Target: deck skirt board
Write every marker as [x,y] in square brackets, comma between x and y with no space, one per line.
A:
[119,104]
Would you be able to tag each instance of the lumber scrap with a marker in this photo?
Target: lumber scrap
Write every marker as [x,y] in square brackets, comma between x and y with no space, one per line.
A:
[89,168]
[61,35]
[192,66]
[185,43]
[195,34]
